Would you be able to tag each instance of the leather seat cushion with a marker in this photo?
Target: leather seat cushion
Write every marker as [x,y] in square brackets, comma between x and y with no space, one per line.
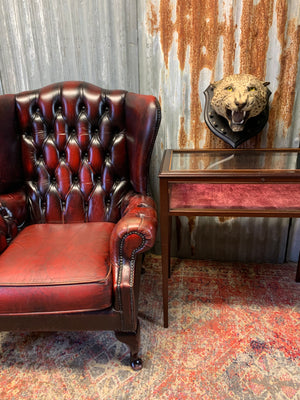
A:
[57,268]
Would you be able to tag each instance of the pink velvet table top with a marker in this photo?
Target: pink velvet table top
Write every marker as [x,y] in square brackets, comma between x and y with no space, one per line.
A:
[252,196]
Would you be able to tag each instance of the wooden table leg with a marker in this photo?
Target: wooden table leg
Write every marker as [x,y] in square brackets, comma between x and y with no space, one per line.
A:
[165,244]
[169,247]
[298,270]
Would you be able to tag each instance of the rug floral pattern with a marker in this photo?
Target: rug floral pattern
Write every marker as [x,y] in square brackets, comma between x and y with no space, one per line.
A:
[234,334]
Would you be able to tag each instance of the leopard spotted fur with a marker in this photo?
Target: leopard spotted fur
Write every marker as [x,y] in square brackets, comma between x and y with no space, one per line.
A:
[239,97]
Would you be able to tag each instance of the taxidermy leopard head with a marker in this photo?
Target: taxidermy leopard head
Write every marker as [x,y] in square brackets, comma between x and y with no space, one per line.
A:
[238,98]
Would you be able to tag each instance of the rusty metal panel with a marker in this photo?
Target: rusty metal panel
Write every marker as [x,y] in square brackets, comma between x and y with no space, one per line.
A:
[192,43]
[184,45]
[51,40]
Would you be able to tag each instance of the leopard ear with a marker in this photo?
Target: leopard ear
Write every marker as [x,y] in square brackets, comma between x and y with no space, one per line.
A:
[215,83]
[266,83]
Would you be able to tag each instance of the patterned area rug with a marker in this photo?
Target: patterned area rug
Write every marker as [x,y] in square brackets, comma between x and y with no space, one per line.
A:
[234,334]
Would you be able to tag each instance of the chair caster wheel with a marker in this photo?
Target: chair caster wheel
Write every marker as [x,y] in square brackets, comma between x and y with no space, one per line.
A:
[136,364]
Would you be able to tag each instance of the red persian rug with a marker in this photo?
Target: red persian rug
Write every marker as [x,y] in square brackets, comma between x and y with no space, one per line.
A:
[234,334]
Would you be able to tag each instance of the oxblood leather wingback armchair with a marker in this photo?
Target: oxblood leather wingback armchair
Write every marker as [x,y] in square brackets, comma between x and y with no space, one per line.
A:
[75,213]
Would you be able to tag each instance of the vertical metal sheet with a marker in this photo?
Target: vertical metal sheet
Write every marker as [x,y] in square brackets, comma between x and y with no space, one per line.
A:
[184,46]
[51,40]
[172,49]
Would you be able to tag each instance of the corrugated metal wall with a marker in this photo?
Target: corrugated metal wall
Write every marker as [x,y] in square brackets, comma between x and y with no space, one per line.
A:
[52,40]
[172,49]
[186,44]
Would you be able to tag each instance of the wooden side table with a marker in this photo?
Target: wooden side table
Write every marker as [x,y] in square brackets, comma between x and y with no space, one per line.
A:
[233,182]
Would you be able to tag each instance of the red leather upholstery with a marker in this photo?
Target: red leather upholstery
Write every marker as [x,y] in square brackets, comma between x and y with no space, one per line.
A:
[11,173]
[57,268]
[80,157]
[133,234]
[74,207]
[12,216]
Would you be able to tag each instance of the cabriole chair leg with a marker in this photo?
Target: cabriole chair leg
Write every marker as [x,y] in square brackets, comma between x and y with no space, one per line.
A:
[132,339]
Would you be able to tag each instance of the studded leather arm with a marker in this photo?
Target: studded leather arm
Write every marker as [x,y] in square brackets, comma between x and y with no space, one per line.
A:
[12,198]
[134,233]
[12,216]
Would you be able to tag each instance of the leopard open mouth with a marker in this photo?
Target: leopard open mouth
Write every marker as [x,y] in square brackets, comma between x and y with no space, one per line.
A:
[237,119]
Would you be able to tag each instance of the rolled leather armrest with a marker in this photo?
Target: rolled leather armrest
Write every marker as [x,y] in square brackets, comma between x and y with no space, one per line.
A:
[134,233]
[12,216]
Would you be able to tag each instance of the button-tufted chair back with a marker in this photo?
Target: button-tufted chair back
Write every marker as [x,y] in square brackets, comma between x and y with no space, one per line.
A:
[81,151]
